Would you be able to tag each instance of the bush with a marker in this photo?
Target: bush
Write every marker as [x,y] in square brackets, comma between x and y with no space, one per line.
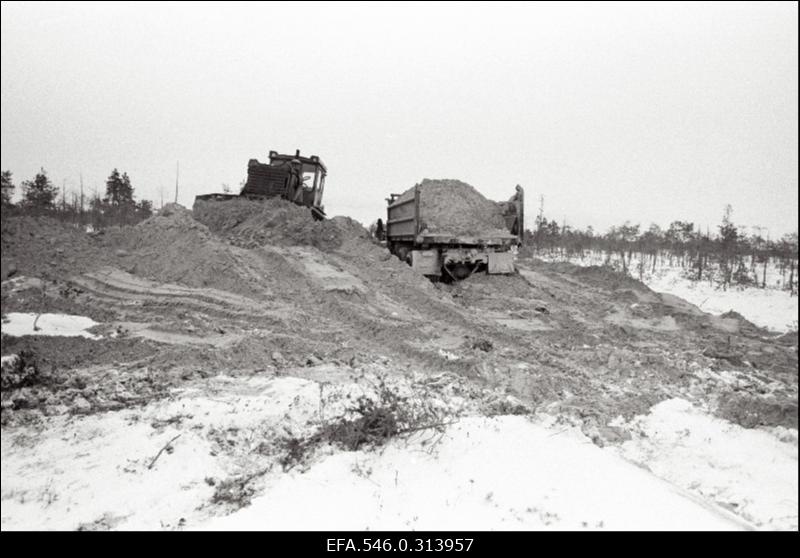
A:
[19,371]
[370,422]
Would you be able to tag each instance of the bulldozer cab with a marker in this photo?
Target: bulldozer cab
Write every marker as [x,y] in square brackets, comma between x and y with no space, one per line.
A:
[295,178]
[306,181]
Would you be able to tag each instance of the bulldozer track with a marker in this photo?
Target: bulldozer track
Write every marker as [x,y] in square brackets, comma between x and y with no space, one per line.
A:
[115,287]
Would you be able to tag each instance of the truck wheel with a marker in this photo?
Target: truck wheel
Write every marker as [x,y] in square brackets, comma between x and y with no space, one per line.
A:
[403,254]
[459,271]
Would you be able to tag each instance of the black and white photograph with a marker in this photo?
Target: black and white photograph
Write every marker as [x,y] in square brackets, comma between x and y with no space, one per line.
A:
[441,270]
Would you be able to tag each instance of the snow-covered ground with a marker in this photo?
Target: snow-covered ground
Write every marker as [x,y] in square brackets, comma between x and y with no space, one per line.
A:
[106,470]
[28,323]
[682,470]
[500,473]
[752,472]
[772,308]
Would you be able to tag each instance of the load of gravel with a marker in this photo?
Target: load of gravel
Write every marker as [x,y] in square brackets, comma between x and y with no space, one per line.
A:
[455,208]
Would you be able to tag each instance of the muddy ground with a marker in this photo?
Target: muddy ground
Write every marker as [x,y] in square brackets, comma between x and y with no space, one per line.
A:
[188,300]
[183,300]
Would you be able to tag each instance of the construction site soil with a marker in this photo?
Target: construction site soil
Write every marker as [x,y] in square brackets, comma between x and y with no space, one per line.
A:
[245,288]
[453,207]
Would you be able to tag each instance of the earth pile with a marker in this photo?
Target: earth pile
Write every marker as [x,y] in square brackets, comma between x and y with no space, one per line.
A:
[456,208]
[273,221]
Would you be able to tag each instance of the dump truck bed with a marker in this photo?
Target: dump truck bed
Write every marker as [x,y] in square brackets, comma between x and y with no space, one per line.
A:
[405,224]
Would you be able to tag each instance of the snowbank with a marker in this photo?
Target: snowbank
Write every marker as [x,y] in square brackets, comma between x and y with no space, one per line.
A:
[501,473]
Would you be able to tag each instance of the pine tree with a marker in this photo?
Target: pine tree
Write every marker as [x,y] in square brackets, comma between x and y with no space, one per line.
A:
[728,235]
[118,206]
[119,191]
[39,192]
[7,187]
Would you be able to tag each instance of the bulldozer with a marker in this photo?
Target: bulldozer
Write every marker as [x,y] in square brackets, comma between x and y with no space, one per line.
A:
[296,178]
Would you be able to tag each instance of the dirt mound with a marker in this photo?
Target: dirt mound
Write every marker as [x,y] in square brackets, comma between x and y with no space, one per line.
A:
[51,355]
[41,246]
[173,208]
[788,338]
[376,265]
[275,222]
[604,277]
[174,248]
[744,323]
[455,207]
[752,411]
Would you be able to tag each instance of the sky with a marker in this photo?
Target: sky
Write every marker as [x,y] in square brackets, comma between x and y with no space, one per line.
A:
[648,112]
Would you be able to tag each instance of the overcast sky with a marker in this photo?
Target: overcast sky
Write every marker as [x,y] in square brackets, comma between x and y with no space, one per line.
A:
[647,112]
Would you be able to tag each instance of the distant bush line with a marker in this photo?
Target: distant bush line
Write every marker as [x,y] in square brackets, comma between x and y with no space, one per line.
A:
[726,256]
[41,197]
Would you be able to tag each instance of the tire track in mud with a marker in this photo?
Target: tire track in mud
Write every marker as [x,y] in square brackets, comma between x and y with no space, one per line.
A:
[358,319]
[115,287]
[340,321]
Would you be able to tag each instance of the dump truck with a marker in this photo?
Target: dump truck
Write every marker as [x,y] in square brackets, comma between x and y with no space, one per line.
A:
[293,177]
[440,254]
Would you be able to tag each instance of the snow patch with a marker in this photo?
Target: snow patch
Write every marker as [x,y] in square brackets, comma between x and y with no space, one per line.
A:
[8,360]
[751,472]
[22,323]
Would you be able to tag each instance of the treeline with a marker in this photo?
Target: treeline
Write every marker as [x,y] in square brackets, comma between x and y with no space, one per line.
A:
[726,256]
[41,197]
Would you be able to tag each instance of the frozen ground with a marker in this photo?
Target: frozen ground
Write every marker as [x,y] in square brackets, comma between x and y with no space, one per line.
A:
[504,472]
[771,308]
[80,472]
[215,396]
[749,471]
